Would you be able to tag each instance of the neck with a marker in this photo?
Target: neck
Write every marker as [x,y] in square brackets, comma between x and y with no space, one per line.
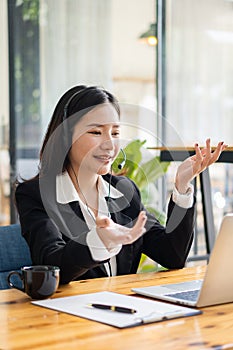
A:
[87,188]
[87,182]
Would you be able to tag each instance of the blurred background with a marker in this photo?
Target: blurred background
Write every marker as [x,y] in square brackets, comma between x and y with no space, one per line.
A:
[169,62]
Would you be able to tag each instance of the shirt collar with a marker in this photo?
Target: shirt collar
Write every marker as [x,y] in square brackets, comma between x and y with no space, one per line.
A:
[66,192]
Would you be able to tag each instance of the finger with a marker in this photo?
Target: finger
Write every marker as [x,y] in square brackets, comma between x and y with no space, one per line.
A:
[197,159]
[138,229]
[198,154]
[103,221]
[215,155]
[141,220]
[131,237]
[199,151]
[207,155]
[208,148]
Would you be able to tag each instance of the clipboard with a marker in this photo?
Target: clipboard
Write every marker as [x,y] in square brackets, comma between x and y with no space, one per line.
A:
[147,311]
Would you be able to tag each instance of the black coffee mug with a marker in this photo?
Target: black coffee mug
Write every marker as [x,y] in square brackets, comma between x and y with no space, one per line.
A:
[39,281]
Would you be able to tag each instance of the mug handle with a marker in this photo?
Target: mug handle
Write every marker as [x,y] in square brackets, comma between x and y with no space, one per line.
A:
[11,284]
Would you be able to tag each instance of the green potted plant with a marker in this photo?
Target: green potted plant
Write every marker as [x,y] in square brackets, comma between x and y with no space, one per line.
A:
[144,173]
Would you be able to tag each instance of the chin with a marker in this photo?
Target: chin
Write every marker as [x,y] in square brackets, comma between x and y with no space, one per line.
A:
[104,170]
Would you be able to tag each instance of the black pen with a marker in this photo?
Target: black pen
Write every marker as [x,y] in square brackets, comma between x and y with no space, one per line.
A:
[113,308]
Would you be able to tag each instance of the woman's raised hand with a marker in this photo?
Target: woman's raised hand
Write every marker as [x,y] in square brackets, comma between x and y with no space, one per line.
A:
[113,234]
[195,164]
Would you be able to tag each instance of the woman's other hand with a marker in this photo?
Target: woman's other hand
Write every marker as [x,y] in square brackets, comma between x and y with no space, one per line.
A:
[113,234]
[195,164]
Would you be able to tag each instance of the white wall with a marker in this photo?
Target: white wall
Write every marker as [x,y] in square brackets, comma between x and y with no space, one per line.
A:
[134,67]
[199,71]
[74,47]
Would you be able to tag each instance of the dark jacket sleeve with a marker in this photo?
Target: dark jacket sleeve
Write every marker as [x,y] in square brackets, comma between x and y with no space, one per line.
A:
[48,244]
[169,246]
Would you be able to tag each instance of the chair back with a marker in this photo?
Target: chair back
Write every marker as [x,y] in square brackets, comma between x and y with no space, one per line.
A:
[14,252]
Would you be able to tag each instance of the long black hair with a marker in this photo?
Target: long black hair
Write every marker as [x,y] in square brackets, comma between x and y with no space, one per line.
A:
[75,103]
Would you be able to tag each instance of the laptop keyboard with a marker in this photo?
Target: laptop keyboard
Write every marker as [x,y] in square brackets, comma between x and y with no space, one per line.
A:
[190,295]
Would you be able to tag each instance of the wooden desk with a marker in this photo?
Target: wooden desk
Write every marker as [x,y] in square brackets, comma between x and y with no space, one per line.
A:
[25,326]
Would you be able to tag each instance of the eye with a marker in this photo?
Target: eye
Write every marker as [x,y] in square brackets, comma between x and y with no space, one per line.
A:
[116,133]
[94,132]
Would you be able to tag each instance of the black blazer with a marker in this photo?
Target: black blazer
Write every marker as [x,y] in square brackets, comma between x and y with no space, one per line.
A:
[56,233]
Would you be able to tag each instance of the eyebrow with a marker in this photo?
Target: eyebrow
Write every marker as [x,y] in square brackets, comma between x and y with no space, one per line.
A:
[102,125]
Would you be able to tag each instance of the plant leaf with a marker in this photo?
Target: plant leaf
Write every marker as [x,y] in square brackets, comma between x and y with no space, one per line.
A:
[150,171]
[133,158]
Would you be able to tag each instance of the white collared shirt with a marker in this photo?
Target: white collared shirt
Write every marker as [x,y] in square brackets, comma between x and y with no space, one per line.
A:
[66,193]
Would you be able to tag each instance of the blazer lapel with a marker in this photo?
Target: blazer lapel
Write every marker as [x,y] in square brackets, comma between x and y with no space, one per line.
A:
[115,207]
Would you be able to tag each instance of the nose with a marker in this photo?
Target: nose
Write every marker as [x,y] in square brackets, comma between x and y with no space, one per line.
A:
[108,143]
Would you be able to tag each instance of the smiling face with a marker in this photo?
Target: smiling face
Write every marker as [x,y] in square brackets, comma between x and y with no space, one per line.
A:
[95,141]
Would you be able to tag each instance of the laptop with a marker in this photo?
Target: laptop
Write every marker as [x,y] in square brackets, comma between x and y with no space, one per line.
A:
[217,285]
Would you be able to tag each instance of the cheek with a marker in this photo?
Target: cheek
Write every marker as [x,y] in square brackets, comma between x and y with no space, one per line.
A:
[82,149]
[117,150]
[78,150]
[117,147]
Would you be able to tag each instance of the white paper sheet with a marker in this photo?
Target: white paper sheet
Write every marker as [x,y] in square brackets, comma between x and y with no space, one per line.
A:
[147,310]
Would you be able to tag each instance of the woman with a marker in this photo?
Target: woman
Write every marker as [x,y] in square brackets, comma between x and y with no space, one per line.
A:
[75,214]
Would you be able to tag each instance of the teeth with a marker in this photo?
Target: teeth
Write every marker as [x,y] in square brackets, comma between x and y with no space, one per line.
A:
[103,157]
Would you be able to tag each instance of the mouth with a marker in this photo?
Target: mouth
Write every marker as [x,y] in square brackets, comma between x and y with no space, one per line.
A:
[104,158]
